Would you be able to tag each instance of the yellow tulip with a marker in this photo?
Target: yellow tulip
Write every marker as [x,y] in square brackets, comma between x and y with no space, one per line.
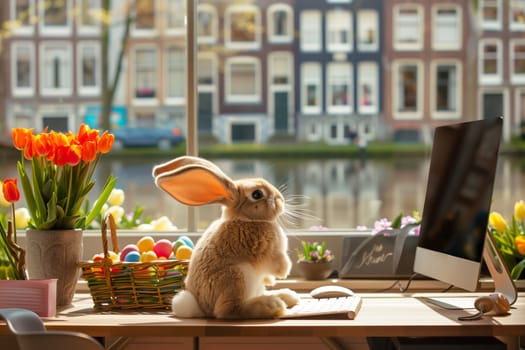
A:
[497,222]
[519,210]
[117,212]
[22,218]
[116,197]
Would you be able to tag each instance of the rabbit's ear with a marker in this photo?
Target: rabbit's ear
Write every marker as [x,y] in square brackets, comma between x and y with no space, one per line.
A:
[196,184]
[180,162]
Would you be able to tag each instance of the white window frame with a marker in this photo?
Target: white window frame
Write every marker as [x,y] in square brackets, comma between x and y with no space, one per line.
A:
[311,72]
[174,100]
[311,31]
[53,30]
[447,23]
[397,113]
[146,32]
[214,61]
[212,10]
[23,91]
[180,10]
[235,45]
[365,19]
[67,90]
[516,25]
[144,101]
[18,29]
[490,79]
[288,37]
[516,78]
[89,90]
[419,42]
[337,21]
[88,30]
[458,94]
[368,73]
[238,98]
[487,24]
[340,73]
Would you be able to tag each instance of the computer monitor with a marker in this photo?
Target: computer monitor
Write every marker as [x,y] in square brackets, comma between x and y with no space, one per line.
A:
[457,204]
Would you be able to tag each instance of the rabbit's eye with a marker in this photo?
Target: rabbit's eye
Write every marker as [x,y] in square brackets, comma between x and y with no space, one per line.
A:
[257,194]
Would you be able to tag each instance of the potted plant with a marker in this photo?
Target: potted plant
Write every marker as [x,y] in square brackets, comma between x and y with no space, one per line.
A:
[510,239]
[56,173]
[314,260]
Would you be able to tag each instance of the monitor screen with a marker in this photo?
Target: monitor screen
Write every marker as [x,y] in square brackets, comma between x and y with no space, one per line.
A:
[457,202]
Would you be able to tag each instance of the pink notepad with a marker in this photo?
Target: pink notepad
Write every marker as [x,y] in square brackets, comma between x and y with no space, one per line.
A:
[38,296]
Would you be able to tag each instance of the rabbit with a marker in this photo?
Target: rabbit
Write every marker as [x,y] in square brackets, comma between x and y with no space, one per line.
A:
[240,253]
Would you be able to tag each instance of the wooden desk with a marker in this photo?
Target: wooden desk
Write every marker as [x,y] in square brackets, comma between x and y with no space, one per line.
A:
[381,315]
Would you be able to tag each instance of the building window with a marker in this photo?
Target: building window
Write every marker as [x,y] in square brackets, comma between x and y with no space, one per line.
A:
[310,31]
[517,15]
[88,15]
[206,73]
[145,15]
[280,69]
[517,61]
[22,71]
[207,24]
[408,28]
[490,14]
[243,27]
[408,90]
[368,88]
[311,88]
[22,12]
[55,69]
[339,88]
[89,68]
[490,61]
[280,23]
[55,17]
[176,76]
[175,15]
[447,91]
[368,30]
[243,80]
[447,32]
[339,31]
[145,73]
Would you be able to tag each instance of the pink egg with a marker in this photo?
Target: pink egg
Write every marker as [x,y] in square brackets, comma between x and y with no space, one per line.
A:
[163,248]
[126,250]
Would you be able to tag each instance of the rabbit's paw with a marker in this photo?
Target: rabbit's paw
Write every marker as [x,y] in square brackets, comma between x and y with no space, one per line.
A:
[265,306]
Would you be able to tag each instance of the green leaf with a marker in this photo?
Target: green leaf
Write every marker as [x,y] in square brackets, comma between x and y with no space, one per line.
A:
[108,187]
[517,270]
[396,223]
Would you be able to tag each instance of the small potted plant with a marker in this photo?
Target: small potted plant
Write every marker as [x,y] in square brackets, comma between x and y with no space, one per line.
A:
[314,260]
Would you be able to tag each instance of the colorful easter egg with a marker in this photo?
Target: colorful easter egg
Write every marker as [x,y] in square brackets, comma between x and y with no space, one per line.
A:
[183,252]
[187,241]
[132,256]
[128,248]
[163,248]
[145,244]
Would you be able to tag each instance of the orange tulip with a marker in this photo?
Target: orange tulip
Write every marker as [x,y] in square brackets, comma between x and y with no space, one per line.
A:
[89,151]
[29,151]
[74,154]
[85,134]
[105,142]
[520,244]
[10,190]
[21,137]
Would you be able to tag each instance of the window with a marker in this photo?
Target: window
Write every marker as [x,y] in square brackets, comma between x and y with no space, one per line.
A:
[408,89]
[280,69]
[447,90]
[368,88]
[517,61]
[207,69]
[311,88]
[175,15]
[88,16]
[310,31]
[280,23]
[490,12]
[408,24]
[446,33]
[175,77]
[490,61]
[22,12]
[89,68]
[55,17]
[243,80]
[207,24]
[339,30]
[22,70]
[145,74]
[339,88]
[145,16]
[367,30]
[243,27]
[55,69]
[517,15]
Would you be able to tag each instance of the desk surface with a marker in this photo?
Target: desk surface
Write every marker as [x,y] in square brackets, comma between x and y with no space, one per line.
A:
[380,315]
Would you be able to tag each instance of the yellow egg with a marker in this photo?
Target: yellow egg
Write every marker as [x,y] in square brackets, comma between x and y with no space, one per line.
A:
[145,244]
[148,256]
[113,256]
[183,253]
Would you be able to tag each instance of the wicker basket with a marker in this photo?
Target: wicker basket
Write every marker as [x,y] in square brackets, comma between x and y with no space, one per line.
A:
[131,285]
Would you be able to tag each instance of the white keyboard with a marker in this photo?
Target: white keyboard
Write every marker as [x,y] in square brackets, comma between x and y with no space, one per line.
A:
[346,307]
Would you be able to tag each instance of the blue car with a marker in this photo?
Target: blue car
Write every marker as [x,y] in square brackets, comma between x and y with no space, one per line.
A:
[145,136]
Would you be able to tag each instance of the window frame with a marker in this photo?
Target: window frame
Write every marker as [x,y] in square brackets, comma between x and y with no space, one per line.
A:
[245,98]
[47,30]
[367,76]
[516,26]
[23,91]
[488,24]
[145,32]
[420,40]
[449,114]
[446,46]
[280,39]
[335,76]
[83,29]
[144,101]
[397,112]
[167,9]
[516,78]
[89,90]
[338,25]
[174,99]
[490,79]
[307,75]
[374,45]
[13,16]
[243,9]
[67,90]
[212,10]
[313,33]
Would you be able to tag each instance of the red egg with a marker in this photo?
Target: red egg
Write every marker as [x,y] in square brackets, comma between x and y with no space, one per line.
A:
[126,250]
[163,248]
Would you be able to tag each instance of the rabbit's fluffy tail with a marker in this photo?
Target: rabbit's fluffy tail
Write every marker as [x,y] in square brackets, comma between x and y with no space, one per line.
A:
[185,305]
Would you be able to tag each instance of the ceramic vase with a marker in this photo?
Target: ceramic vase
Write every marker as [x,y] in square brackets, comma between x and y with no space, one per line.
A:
[55,254]
[315,270]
